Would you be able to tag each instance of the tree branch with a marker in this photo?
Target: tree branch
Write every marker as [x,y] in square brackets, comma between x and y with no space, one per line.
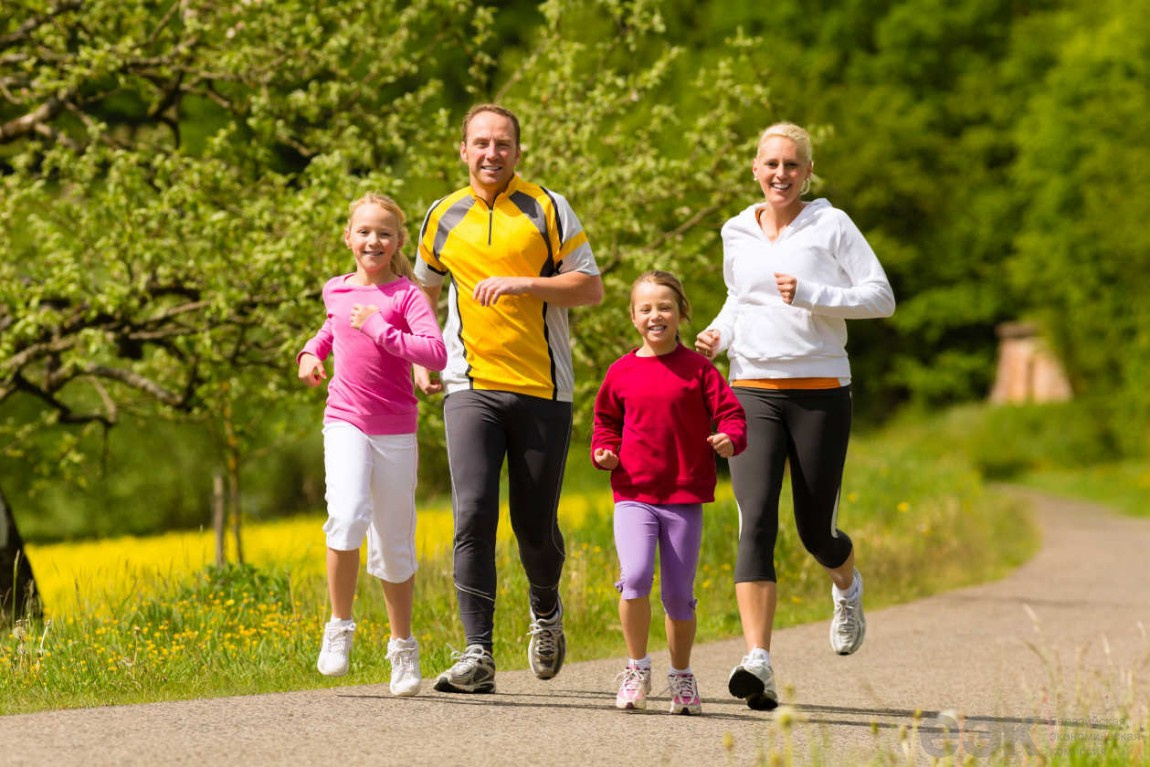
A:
[25,30]
[21,126]
[136,381]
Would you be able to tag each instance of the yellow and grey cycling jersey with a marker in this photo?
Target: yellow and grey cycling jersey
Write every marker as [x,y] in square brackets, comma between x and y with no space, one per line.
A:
[520,343]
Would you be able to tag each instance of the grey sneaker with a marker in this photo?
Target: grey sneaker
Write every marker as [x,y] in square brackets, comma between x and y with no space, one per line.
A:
[848,627]
[335,653]
[474,671]
[754,681]
[404,657]
[548,645]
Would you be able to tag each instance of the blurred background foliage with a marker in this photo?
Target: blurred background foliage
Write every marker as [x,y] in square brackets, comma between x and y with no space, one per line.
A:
[174,179]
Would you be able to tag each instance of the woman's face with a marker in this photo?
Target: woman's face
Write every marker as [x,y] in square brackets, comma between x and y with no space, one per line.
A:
[781,171]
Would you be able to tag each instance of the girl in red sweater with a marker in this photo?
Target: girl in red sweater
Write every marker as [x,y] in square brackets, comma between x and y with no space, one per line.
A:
[661,415]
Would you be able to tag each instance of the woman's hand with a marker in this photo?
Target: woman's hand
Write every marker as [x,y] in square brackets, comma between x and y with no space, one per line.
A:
[707,343]
[786,285]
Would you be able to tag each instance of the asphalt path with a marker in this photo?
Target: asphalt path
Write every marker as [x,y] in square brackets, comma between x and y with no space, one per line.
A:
[1050,656]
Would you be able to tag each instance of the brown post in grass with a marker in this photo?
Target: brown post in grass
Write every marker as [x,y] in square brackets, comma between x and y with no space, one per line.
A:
[1028,371]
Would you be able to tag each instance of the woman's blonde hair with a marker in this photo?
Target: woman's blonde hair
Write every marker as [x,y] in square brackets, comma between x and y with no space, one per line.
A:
[400,264]
[793,132]
[666,280]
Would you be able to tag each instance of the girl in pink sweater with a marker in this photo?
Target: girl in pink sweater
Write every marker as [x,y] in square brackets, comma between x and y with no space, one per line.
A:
[653,431]
[378,325]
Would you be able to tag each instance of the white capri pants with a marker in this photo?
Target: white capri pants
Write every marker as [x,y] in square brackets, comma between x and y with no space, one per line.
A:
[371,491]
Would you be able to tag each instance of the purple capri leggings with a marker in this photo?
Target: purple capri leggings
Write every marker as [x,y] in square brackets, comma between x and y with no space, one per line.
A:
[677,528]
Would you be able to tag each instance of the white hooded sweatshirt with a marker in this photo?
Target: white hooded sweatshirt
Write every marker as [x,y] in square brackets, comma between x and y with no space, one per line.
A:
[839,278]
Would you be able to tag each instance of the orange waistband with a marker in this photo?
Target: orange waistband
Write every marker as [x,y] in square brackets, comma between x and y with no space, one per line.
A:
[788,383]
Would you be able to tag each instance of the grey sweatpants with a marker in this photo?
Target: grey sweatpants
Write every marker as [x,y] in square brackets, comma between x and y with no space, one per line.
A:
[484,428]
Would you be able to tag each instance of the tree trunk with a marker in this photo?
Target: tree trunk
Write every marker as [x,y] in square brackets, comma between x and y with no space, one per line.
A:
[219,519]
[18,595]
[234,502]
[232,453]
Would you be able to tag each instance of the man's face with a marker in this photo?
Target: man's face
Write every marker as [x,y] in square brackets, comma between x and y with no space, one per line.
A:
[491,152]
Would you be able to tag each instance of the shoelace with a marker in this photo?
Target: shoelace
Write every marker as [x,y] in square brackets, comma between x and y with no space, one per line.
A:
[544,638]
[339,640]
[631,680]
[402,659]
[682,687]
[845,617]
[464,659]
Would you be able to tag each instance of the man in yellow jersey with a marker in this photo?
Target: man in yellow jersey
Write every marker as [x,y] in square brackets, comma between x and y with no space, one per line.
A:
[518,258]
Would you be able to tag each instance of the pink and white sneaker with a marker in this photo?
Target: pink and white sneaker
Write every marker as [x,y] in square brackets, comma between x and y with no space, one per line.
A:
[634,687]
[684,694]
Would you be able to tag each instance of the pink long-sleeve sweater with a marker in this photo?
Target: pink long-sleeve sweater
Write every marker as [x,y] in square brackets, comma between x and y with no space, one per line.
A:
[371,387]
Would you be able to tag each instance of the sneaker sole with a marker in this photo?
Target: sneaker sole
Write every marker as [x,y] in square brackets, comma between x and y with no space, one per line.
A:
[342,672]
[687,710]
[762,703]
[443,685]
[745,685]
[405,693]
[640,705]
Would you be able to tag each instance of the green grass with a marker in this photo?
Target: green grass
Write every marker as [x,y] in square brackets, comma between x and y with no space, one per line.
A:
[1062,448]
[1124,486]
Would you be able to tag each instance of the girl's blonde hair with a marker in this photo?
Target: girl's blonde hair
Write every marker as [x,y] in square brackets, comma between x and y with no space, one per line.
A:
[666,280]
[793,132]
[400,263]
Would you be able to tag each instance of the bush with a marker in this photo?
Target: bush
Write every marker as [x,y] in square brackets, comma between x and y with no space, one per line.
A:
[1003,442]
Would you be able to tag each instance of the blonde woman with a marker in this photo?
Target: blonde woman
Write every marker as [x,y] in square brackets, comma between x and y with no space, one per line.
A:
[795,272]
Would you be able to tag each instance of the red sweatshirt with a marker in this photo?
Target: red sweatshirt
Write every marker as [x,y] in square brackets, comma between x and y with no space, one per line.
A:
[656,413]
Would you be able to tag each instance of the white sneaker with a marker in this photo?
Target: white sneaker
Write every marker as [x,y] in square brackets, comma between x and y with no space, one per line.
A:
[404,657]
[754,681]
[334,656]
[848,627]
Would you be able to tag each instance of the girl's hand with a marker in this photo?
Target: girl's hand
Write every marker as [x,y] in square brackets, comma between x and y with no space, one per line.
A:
[786,285]
[606,459]
[707,343]
[311,370]
[423,380]
[722,444]
[360,313]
